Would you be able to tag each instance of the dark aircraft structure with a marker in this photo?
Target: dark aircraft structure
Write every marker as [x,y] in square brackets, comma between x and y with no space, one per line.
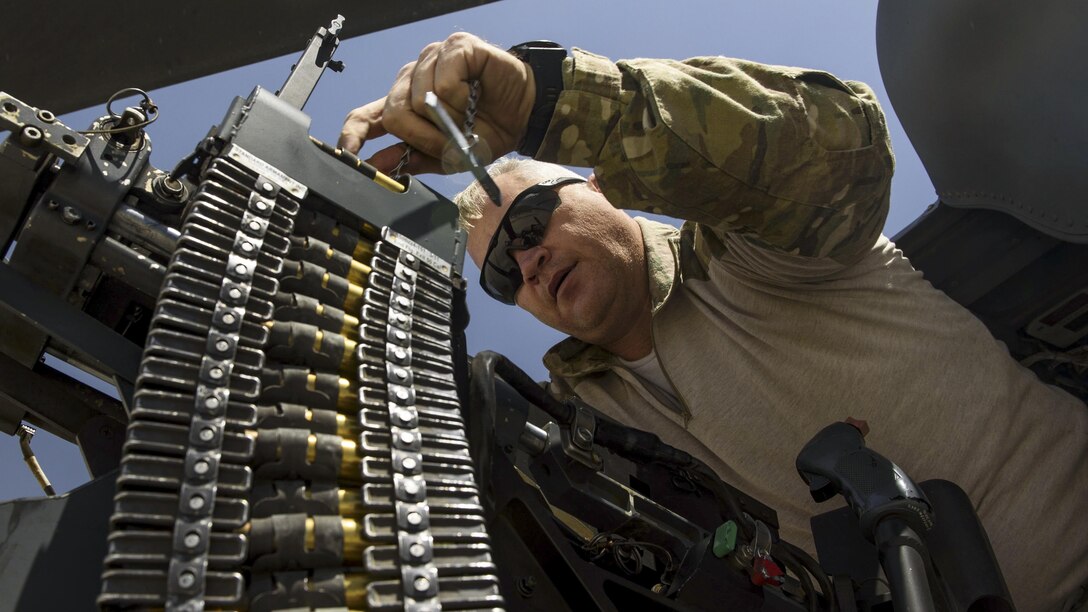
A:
[301,427]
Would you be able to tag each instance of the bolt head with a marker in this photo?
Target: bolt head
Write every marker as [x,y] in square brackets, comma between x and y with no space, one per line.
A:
[186,580]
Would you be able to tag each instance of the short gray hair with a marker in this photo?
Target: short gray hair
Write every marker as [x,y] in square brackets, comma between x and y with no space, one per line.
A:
[471,201]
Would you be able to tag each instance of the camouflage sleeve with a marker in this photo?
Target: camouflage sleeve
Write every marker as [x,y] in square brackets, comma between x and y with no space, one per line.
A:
[793,158]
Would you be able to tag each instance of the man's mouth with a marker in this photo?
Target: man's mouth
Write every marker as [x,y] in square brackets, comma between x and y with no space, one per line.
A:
[557,281]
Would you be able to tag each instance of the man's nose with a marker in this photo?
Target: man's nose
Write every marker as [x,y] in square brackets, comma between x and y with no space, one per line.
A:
[530,261]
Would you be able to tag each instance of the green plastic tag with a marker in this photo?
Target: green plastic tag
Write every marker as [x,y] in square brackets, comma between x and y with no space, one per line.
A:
[725,539]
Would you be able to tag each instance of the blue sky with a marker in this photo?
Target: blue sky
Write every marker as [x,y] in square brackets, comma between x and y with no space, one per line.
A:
[833,35]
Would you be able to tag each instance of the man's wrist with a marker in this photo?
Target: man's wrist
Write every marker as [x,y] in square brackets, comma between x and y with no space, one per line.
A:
[545,59]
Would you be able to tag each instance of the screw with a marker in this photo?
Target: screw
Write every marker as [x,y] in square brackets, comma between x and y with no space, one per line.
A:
[584,434]
[399,335]
[207,434]
[261,205]
[247,247]
[404,416]
[411,487]
[30,136]
[403,302]
[240,269]
[526,586]
[400,373]
[229,319]
[402,394]
[46,116]
[215,373]
[409,463]
[421,584]
[405,287]
[222,345]
[192,539]
[416,550]
[186,580]
[201,467]
[414,518]
[52,205]
[255,226]
[211,403]
[91,225]
[196,502]
[408,257]
[406,438]
[266,186]
[234,293]
[400,353]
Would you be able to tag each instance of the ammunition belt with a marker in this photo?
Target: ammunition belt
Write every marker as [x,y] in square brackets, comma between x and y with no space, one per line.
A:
[296,438]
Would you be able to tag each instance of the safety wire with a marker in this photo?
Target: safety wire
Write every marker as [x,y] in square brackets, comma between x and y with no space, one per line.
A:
[151,111]
[628,553]
[469,127]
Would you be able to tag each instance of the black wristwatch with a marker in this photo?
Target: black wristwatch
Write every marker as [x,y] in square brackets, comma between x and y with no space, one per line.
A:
[545,58]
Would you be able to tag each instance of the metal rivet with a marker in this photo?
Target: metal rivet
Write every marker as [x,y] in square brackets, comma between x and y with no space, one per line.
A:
[421,584]
[196,502]
[222,346]
[407,438]
[186,579]
[211,403]
[403,301]
[192,539]
[235,293]
[248,247]
[399,335]
[207,434]
[400,354]
[416,550]
[409,463]
[404,416]
[266,186]
[229,319]
[240,269]
[215,373]
[255,226]
[261,205]
[400,373]
[409,258]
[201,467]
[405,287]
[411,487]
[401,319]
[414,518]
[402,394]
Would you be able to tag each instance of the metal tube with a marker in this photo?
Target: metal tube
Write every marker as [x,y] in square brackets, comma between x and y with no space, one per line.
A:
[139,271]
[145,231]
[903,557]
[533,440]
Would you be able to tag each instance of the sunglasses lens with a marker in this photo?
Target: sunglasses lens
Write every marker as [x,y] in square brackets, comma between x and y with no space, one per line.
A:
[521,228]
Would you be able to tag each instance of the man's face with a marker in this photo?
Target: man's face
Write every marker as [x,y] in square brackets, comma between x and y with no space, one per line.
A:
[587,277]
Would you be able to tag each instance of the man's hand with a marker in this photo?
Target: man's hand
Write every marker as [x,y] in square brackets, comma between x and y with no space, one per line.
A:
[507,92]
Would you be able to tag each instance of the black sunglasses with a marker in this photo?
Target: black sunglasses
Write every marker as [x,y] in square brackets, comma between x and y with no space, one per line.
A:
[521,228]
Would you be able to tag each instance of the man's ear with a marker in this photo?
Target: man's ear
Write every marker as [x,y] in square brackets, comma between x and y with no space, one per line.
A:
[593,184]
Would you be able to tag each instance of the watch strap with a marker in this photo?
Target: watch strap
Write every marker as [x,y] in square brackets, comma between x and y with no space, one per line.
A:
[545,59]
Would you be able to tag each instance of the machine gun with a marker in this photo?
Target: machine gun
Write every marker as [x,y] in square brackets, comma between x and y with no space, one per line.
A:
[304,429]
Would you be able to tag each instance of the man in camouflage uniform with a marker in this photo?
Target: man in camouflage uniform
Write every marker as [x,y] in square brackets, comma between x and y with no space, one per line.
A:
[777,309]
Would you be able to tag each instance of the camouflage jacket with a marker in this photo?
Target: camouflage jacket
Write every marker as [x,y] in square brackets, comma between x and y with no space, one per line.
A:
[779,307]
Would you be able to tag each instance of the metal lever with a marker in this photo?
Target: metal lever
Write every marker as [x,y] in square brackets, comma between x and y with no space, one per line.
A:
[317,56]
[442,119]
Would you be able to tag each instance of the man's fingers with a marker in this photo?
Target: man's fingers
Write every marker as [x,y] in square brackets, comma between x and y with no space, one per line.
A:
[362,124]
[388,158]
